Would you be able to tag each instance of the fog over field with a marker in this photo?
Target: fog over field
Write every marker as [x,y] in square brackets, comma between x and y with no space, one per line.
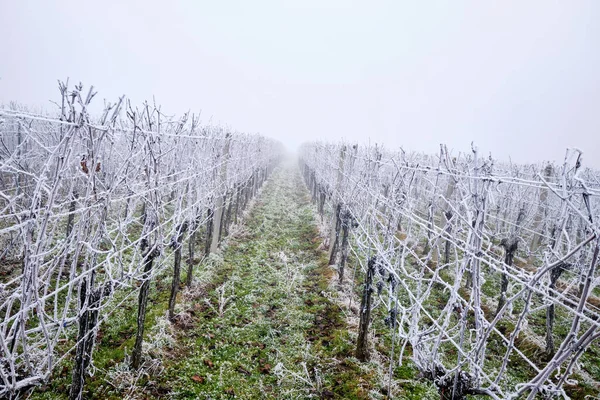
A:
[521,79]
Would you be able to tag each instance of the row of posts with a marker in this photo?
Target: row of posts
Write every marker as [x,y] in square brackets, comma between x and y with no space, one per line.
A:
[226,210]
[343,221]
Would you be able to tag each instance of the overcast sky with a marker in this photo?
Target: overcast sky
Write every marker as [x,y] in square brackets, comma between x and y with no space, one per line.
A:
[520,78]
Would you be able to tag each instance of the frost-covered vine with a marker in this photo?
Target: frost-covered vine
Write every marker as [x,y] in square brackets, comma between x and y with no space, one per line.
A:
[94,207]
[488,271]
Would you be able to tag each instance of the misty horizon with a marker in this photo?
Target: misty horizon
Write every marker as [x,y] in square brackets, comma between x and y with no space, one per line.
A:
[521,81]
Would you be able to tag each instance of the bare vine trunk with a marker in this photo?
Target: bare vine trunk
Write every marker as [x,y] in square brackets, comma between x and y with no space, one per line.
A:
[209,230]
[191,247]
[510,248]
[555,274]
[216,225]
[322,197]
[228,214]
[344,247]
[335,235]
[71,217]
[90,299]
[362,344]
[237,205]
[136,355]
[177,244]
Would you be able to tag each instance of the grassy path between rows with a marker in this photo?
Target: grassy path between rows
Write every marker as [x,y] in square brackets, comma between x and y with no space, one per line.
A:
[263,327]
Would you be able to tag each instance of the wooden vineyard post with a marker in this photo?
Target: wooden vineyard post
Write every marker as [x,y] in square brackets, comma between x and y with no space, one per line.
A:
[218,210]
[558,230]
[255,183]
[228,213]
[191,248]
[362,351]
[322,196]
[335,232]
[314,188]
[222,219]
[209,228]
[541,211]
[447,212]
[237,204]
[346,221]
[176,244]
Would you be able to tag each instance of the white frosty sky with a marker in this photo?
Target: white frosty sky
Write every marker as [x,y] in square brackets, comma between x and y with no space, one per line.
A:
[521,79]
